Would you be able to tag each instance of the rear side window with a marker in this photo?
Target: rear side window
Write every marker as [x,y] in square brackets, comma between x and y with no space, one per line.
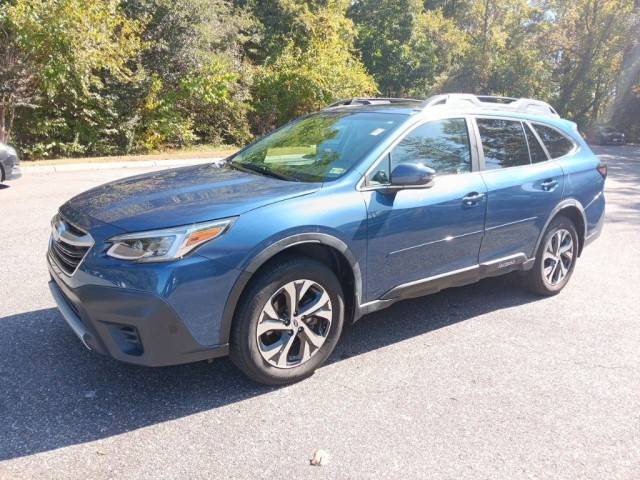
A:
[557,144]
[503,143]
[535,149]
[441,144]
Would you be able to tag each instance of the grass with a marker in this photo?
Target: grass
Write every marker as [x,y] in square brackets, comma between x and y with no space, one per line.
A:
[197,151]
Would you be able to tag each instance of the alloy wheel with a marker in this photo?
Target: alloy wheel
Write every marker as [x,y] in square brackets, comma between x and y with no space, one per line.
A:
[558,257]
[294,323]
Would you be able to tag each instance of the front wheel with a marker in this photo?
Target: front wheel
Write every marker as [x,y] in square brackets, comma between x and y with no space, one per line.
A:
[555,259]
[288,323]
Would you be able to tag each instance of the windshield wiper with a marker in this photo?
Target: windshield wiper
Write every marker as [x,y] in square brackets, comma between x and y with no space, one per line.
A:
[250,167]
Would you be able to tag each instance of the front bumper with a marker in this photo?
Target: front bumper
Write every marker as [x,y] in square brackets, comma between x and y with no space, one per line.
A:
[132,326]
[15,172]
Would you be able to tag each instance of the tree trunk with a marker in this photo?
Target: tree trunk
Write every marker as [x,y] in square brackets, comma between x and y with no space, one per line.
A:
[629,76]
[3,131]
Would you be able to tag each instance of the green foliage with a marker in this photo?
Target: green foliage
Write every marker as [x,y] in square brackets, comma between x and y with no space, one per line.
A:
[198,87]
[73,49]
[386,29]
[589,37]
[89,77]
[305,78]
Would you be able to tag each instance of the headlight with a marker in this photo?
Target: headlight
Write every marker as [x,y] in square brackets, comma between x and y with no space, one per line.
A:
[167,244]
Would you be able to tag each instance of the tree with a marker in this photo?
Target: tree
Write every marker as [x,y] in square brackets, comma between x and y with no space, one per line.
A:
[197,87]
[385,29]
[586,49]
[504,53]
[61,52]
[17,81]
[308,77]
[625,109]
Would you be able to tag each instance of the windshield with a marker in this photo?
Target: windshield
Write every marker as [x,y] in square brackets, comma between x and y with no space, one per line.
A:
[318,148]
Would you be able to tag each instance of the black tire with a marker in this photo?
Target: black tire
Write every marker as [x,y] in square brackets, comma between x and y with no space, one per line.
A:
[245,352]
[2,174]
[535,279]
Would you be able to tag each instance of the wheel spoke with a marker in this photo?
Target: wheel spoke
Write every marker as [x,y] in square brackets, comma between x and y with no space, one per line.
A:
[548,271]
[305,349]
[320,304]
[302,288]
[270,352]
[563,269]
[568,247]
[270,312]
[315,339]
[284,353]
[291,297]
[268,325]
[556,274]
[557,241]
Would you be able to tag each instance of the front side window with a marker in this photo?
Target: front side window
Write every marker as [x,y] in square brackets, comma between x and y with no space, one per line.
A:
[318,148]
[503,143]
[557,144]
[441,144]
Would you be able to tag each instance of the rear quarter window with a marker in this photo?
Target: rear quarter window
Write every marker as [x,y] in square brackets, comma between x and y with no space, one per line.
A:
[557,143]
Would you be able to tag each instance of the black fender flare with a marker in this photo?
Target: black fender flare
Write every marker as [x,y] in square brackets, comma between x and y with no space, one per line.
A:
[568,202]
[263,256]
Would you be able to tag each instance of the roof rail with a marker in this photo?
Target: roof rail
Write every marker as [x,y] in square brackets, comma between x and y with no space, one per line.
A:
[373,101]
[527,105]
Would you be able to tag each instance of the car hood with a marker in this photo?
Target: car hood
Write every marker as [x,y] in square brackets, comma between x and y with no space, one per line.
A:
[178,196]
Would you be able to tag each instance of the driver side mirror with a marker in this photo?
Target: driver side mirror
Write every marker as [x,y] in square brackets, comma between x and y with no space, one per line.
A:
[412,175]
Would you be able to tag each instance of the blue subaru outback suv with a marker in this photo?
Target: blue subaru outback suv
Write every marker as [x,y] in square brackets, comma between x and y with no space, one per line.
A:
[337,214]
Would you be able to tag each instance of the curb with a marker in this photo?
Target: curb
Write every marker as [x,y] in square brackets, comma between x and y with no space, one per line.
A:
[75,167]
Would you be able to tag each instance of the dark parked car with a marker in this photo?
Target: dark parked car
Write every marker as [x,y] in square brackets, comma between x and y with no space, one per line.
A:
[9,163]
[333,216]
[608,136]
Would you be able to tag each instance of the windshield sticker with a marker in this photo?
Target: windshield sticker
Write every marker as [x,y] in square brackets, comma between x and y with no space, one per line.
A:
[377,132]
[336,171]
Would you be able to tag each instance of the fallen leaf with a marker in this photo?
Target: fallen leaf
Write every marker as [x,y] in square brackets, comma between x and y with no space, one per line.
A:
[320,458]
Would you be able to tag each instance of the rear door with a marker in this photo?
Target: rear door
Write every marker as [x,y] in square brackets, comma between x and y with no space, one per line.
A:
[523,187]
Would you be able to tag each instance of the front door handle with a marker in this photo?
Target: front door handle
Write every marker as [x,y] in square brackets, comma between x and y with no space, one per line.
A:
[472,198]
[549,184]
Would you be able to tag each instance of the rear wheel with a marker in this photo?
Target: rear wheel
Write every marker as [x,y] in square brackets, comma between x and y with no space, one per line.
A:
[289,322]
[555,259]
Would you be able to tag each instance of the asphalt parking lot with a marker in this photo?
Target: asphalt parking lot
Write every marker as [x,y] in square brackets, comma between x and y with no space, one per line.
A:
[484,381]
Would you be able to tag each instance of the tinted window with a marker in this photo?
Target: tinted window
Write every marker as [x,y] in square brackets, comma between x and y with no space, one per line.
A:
[535,149]
[319,147]
[557,144]
[442,145]
[503,143]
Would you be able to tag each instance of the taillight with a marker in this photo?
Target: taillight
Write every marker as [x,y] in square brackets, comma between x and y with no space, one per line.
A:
[602,169]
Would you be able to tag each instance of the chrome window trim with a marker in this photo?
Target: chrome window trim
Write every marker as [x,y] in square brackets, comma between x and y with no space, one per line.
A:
[475,167]
[540,142]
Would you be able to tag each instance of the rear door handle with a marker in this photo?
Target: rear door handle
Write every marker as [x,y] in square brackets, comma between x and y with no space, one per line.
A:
[472,198]
[549,184]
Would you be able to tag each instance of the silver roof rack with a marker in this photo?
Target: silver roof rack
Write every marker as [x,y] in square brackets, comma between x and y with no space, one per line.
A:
[375,101]
[488,102]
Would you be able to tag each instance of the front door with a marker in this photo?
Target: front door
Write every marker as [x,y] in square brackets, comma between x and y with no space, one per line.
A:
[523,188]
[414,234]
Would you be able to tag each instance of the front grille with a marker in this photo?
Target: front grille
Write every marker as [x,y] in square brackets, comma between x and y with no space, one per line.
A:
[68,245]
